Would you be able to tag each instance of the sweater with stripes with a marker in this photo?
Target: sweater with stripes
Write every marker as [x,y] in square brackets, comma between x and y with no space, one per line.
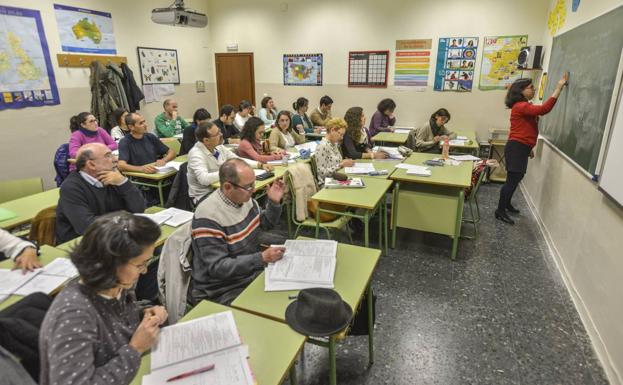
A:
[225,244]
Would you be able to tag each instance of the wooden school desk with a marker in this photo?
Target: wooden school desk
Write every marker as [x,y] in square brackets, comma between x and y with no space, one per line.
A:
[370,199]
[353,273]
[393,138]
[27,207]
[166,232]
[470,147]
[273,346]
[430,203]
[157,180]
[48,254]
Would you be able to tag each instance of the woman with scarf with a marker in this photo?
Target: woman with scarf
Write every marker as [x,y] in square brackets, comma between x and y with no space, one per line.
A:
[84,129]
[427,137]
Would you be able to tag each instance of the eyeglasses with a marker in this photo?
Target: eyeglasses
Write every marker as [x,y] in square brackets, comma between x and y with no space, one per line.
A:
[248,189]
[92,121]
[219,133]
[142,266]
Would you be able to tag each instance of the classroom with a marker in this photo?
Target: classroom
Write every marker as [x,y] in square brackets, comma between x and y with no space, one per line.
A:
[294,192]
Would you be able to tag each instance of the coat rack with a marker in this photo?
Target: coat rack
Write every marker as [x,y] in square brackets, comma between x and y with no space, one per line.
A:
[70,60]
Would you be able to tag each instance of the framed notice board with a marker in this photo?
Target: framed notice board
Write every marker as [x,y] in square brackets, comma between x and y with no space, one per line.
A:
[368,68]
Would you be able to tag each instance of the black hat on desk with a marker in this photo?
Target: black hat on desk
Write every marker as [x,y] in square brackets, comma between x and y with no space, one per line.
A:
[318,312]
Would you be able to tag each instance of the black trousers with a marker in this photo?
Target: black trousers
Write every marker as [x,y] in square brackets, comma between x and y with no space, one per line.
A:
[506,193]
[516,158]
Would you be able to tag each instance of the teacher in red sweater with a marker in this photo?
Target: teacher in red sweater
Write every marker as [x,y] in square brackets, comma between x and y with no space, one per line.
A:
[522,138]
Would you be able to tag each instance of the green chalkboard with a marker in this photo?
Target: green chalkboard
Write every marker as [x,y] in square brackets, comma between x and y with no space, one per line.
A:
[591,53]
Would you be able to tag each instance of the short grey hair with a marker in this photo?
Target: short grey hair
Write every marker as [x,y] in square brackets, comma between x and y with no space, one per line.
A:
[81,161]
[230,170]
[129,119]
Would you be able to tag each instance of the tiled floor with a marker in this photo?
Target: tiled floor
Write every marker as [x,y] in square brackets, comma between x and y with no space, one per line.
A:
[499,314]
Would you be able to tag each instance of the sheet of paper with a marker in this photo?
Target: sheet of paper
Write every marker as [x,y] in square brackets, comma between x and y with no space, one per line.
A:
[148,91]
[272,285]
[61,267]
[177,216]
[11,280]
[194,338]
[404,128]
[415,169]
[231,367]
[456,142]
[464,157]
[461,137]
[158,217]
[311,146]
[402,131]
[357,170]
[279,162]
[3,297]
[305,261]
[41,283]
[259,172]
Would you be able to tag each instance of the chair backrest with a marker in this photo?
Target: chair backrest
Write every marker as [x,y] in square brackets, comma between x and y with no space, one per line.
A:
[314,169]
[477,177]
[61,163]
[18,188]
[173,144]
[42,227]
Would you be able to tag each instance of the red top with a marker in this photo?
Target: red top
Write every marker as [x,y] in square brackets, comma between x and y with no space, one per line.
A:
[524,119]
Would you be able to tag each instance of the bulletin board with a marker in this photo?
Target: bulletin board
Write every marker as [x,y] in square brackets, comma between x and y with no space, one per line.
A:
[158,65]
[368,68]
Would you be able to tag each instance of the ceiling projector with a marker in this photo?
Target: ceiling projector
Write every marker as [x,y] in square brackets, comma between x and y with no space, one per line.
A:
[178,15]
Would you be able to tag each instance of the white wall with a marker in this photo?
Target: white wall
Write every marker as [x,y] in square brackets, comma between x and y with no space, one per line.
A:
[584,230]
[334,28]
[30,136]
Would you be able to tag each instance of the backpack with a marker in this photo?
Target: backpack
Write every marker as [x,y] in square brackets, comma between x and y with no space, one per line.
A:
[61,163]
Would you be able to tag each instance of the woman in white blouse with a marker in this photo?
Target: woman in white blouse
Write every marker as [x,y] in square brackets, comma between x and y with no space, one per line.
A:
[268,112]
[245,111]
[283,136]
[328,155]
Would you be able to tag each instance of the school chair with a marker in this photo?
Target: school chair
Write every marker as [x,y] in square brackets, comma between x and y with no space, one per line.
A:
[172,143]
[19,188]
[339,223]
[471,198]
[43,226]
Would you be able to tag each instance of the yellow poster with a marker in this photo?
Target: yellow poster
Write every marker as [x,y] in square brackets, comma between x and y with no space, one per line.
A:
[556,18]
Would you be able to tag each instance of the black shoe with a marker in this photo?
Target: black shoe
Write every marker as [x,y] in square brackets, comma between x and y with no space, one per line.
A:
[511,209]
[504,217]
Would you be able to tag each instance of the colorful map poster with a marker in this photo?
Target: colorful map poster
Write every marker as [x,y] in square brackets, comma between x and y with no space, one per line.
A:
[302,70]
[26,74]
[499,61]
[412,63]
[85,30]
[456,60]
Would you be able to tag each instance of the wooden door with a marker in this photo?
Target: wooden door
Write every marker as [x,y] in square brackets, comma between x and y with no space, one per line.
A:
[235,78]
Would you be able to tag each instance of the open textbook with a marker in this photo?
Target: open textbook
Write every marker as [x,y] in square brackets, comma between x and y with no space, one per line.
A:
[201,343]
[305,264]
[45,280]
[172,216]
[169,167]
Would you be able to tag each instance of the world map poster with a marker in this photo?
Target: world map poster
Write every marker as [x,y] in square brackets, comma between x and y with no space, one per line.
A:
[456,61]
[499,61]
[85,30]
[302,70]
[26,73]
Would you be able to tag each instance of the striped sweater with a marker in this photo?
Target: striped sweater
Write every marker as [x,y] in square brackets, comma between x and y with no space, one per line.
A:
[225,244]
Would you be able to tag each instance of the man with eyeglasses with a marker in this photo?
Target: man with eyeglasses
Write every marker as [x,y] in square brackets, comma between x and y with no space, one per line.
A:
[95,188]
[205,158]
[226,232]
[225,123]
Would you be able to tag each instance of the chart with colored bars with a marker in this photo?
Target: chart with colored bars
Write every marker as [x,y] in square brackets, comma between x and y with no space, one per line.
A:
[368,68]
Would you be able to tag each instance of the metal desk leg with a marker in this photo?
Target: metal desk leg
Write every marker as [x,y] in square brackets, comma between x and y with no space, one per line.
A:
[457,225]
[379,211]
[332,363]
[293,380]
[317,222]
[366,228]
[370,326]
[395,214]
[160,192]
[385,225]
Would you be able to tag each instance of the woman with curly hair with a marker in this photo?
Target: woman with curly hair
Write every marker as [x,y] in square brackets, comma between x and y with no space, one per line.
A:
[357,143]
[250,142]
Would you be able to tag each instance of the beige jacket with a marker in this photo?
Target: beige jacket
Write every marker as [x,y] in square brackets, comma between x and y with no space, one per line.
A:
[303,186]
[318,118]
[278,141]
[422,138]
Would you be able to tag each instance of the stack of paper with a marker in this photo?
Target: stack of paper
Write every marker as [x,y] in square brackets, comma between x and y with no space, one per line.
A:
[304,265]
[259,172]
[349,183]
[169,167]
[279,162]
[462,158]
[414,169]
[177,217]
[158,217]
[391,151]
[462,137]
[311,146]
[457,142]
[202,343]
[359,168]
[402,131]
[45,280]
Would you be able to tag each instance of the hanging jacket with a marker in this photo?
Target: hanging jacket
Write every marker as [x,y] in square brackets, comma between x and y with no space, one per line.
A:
[116,77]
[304,188]
[132,91]
[174,269]
[103,102]
[178,195]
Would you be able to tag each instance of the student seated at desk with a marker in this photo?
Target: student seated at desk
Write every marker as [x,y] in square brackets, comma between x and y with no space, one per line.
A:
[169,123]
[188,138]
[85,130]
[245,111]
[205,158]
[94,331]
[94,189]
[268,112]
[383,118]
[426,138]
[321,115]
[140,148]
[300,120]
[225,123]
[283,136]
[226,231]
[250,146]
[22,252]
[357,143]
[328,154]
[121,129]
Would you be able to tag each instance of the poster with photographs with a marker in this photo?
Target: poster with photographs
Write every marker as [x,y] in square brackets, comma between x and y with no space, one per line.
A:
[158,65]
[456,61]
